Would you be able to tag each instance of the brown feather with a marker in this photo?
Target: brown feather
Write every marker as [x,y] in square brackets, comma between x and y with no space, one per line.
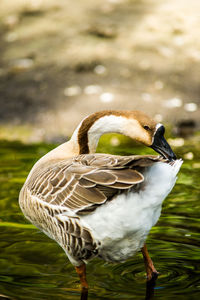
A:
[91,194]
[86,183]
[120,185]
[128,176]
[102,177]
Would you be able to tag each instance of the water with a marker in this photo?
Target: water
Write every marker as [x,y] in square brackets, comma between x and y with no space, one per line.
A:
[34,267]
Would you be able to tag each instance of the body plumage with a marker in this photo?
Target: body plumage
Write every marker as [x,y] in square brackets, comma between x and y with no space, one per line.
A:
[100,204]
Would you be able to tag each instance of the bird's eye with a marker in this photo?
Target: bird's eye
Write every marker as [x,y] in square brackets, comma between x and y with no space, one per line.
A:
[146,127]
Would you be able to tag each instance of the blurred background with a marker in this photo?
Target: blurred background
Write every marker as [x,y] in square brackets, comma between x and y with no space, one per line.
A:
[61,60]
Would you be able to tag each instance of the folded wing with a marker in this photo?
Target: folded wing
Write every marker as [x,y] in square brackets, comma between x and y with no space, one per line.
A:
[82,183]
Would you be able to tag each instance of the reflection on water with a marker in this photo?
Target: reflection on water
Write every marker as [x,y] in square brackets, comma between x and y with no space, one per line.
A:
[84,295]
[34,267]
[150,286]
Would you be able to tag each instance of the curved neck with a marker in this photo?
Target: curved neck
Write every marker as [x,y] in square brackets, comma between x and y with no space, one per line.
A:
[89,131]
[86,136]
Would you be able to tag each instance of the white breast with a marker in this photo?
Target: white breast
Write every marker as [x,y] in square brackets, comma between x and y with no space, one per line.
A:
[123,224]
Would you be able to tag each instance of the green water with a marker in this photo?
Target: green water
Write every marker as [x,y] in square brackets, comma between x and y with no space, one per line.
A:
[34,267]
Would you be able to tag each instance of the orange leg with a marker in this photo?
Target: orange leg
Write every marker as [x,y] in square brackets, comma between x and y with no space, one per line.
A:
[150,269]
[81,271]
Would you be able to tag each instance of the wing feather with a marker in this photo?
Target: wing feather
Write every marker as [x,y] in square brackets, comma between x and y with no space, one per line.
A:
[90,194]
[87,181]
[102,177]
[128,176]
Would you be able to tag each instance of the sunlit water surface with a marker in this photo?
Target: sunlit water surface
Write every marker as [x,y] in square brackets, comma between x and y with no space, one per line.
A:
[32,266]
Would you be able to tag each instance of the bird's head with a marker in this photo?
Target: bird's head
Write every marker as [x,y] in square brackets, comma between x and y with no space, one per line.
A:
[145,130]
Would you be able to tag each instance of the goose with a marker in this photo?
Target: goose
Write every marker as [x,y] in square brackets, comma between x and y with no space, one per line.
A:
[98,204]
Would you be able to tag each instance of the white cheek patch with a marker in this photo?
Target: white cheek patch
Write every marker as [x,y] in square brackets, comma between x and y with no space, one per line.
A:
[158,126]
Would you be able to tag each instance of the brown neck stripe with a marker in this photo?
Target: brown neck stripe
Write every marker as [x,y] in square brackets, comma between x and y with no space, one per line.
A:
[85,127]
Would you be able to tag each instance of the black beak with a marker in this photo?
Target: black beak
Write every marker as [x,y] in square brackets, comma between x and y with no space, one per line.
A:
[161,146]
